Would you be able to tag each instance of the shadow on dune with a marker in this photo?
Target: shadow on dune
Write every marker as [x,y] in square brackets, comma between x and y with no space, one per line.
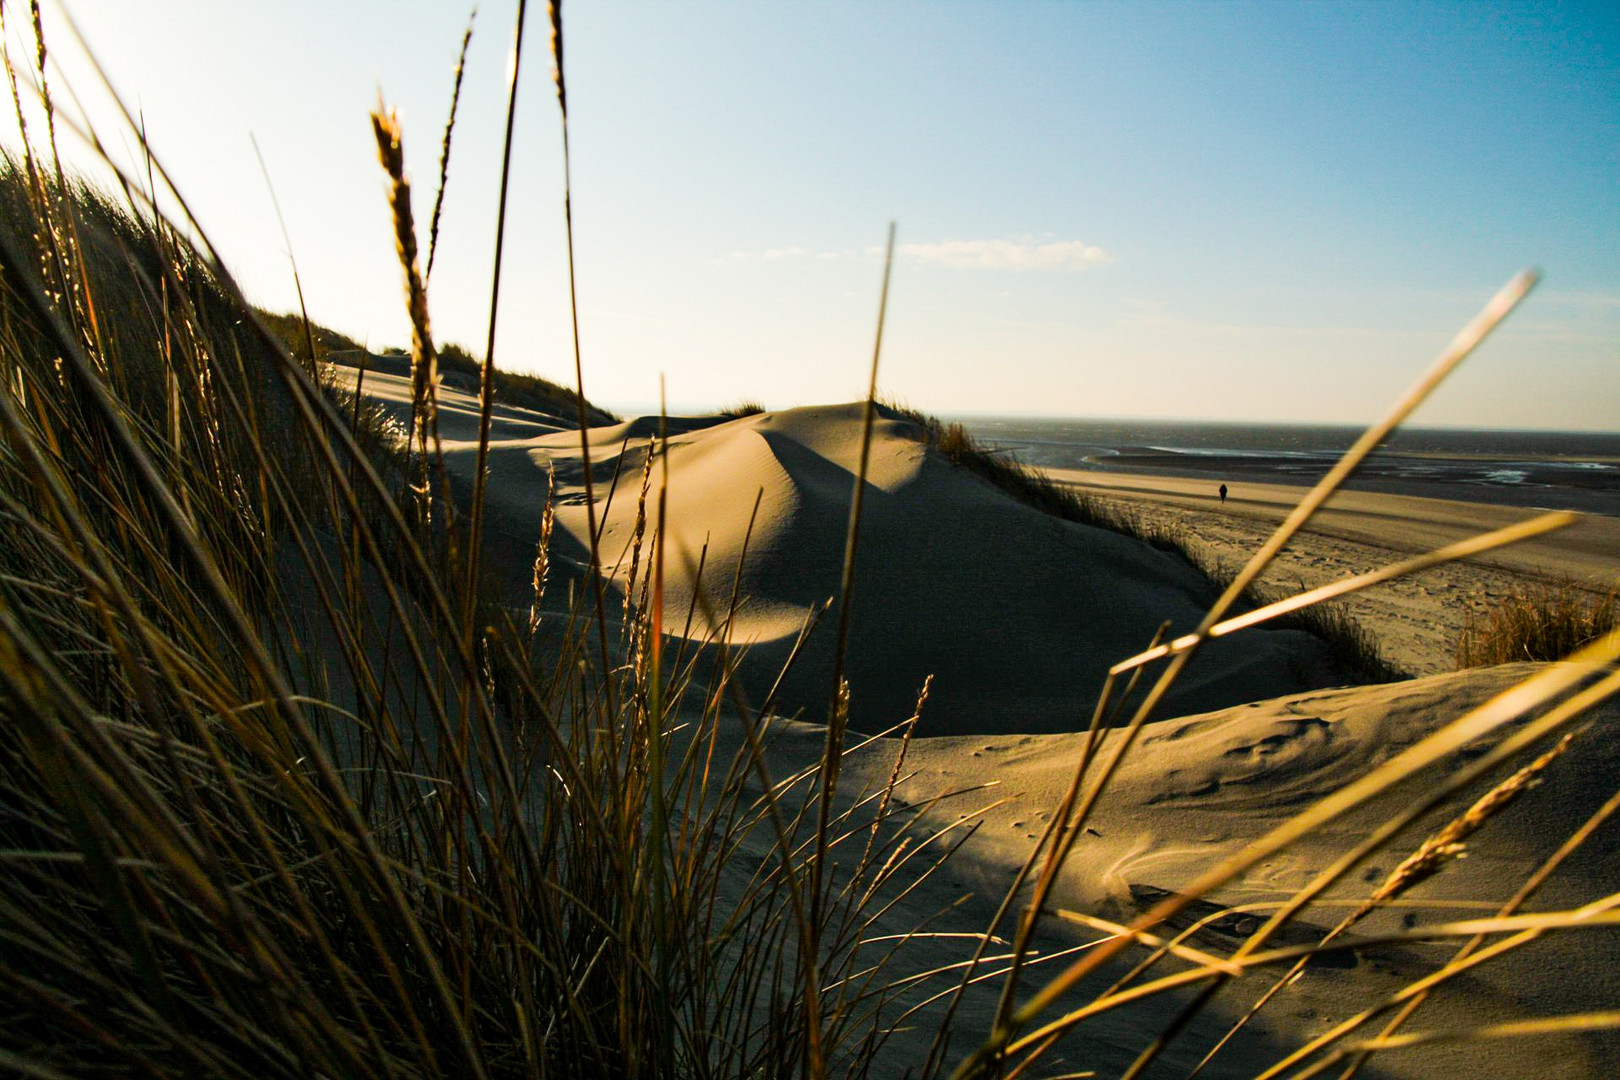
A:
[1016,613]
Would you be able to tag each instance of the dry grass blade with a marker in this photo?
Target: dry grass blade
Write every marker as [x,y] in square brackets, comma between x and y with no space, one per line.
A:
[560,79]
[1573,842]
[1174,948]
[1008,1021]
[486,381]
[424,358]
[1444,846]
[1598,916]
[1467,340]
[1513,1029]
[1506,706]
[838,708]
[444,146]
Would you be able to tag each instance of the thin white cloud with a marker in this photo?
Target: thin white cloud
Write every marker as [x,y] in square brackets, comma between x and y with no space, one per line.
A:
[1009,254]
[1017,255]
[780,253]
[772,254]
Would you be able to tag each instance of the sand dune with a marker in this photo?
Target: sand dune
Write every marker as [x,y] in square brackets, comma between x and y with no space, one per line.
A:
[1019,614]
[1198,788]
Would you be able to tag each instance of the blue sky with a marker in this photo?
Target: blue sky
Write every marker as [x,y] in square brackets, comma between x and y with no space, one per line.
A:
[1235,211]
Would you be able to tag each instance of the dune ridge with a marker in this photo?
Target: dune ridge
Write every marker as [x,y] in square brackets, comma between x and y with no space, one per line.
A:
[1017,613]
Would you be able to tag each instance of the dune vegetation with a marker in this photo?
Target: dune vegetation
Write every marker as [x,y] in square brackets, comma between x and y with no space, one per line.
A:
[289,787]
[1538,622]
[745,407]
[1354,648]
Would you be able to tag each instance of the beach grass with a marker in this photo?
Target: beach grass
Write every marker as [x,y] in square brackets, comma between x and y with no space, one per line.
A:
[268,812]
[1545,621]
[524,391]
[458,367]
[744,407]
[285,792]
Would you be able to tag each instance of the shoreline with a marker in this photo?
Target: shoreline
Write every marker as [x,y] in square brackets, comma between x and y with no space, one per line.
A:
[1533,497]
[1417,619]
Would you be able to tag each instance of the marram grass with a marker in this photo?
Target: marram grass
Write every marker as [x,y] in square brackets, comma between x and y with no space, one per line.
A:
[1538,622]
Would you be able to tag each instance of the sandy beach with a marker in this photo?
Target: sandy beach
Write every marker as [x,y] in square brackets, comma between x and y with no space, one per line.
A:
[1017,615]
[1417,620]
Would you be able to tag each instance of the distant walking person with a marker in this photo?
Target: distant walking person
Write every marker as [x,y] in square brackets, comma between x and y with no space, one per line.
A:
[1223,493]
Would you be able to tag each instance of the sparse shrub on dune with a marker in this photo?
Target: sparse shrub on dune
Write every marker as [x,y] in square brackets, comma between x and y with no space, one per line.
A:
[457,366]
[1354,647]
[295,333]
[745,407]
[1538,622]
[1027,485]
[523,391]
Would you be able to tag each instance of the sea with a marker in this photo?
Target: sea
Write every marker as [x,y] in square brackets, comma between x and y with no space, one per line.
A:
[1553,470]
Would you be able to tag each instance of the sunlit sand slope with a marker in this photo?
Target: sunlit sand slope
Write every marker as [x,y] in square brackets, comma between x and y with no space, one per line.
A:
[1199,788]
[1016,613]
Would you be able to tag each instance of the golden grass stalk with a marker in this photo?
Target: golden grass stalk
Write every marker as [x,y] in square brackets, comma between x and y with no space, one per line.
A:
[424,359]
[1009,1020]
[1450,842]
[1512,1029]
[1523,930]
[595,566]
[1574,841]
[1596,916]
[1462,549]
[486,375]
[637,534]
[542,552]
[838,707]
[1538,622]
[1520,699]
[444,146]
[1440,848]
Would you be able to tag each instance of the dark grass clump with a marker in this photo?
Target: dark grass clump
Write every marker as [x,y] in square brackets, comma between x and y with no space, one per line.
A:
[457,367]
[462,369]
[296,333]
[283,795]
[1353,647]
[745,407]
[1029,486]
[1538,622]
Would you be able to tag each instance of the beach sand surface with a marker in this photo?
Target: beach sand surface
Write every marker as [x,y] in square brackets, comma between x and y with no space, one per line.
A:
[1417,620]
[1198,789]
[1018,614]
